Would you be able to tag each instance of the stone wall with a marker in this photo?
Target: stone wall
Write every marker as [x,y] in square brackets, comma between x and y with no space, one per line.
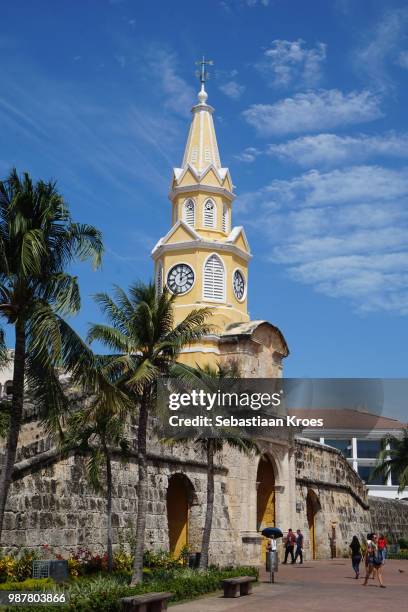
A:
[389,516]
[51,502]
[338,495]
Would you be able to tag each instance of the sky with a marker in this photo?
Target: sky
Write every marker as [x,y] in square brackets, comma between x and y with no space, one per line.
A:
[310,112]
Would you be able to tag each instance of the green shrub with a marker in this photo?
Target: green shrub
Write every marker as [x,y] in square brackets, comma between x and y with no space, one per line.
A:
[402,554]
[161,559]
[30,584]
[403,542]
[17,566]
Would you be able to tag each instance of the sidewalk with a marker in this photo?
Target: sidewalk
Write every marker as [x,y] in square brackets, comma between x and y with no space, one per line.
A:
[315,586]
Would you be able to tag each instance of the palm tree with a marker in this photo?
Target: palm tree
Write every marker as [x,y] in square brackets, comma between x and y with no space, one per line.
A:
[38,241]
[98,430]
[393,458]
[211,439]
[145,342]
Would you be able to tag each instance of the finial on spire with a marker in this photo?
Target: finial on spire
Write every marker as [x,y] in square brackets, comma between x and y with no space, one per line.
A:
[203,75]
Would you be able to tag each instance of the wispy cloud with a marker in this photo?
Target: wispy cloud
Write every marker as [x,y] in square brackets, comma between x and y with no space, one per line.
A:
[402,59]
[329,149]
[178,96]
[288,62]
[232,89]
[342,232]
[313,111]
[248,155]
[117,145]
[375,57]
[228,5]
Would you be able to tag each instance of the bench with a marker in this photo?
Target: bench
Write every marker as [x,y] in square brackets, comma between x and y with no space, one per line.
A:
[231,585]
[148,602]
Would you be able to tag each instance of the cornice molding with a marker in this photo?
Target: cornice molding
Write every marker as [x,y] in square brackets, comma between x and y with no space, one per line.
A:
[203,188]
[200,245]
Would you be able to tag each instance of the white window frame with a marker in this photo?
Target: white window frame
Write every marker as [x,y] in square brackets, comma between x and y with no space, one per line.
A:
[214,221]
[185,212]
[225,218]
[213,299]
[159,279]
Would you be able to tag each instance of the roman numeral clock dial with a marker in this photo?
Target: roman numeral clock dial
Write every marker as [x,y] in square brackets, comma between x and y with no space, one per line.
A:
[180,279]
[239,285]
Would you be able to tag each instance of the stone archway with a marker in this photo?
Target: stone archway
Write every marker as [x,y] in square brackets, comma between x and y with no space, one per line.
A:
[312,509]
[265,498]
[180,494]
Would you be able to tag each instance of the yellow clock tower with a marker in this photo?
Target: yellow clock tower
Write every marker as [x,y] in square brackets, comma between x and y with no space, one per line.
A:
[203,259]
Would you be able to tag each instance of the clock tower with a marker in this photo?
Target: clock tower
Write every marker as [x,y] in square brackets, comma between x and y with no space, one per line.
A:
[203,258]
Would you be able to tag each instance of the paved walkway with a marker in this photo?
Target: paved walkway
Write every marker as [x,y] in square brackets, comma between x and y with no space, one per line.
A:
[315,586]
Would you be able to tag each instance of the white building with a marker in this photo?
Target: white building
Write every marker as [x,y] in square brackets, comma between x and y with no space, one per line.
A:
[358,434]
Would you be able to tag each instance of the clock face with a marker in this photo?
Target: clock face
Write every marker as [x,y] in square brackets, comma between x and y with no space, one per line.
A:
[180,279]
[238,282]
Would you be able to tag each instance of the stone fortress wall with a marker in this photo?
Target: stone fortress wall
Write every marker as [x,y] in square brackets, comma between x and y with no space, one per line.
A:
[295,483]
[52,503]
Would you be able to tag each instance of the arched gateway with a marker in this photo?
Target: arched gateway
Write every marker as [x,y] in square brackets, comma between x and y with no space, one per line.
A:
[265,504]
[180,493]
[312,509]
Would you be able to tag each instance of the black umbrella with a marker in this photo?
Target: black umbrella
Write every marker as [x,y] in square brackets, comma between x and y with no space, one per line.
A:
[272,532]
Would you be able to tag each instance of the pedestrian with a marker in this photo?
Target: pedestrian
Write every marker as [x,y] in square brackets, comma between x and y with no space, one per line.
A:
[355,555]
[382,548]
[271,546]
[373,561]
[290,542]
[299,545]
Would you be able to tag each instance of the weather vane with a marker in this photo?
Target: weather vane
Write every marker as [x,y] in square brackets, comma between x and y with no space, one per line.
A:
[202,74]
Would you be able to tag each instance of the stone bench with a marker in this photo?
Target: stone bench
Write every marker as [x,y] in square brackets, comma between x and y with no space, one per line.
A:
[235,587]
[148,602]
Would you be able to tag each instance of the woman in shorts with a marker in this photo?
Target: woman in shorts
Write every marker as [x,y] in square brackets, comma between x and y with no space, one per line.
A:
[373,561]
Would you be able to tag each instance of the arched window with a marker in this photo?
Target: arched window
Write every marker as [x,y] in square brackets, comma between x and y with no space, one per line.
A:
[225,218]
[210,214]
[159,279]
[214,279]
[8,388]
[189,212]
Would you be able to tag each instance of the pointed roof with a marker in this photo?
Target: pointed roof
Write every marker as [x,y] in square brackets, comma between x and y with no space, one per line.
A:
[202,148]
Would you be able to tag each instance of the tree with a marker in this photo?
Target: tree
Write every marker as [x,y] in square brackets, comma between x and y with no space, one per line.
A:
[393,458]
[211,439]
[38,241]
[145,342]
[99,430]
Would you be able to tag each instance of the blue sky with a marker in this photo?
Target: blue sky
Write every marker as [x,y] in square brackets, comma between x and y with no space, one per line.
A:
[310,102]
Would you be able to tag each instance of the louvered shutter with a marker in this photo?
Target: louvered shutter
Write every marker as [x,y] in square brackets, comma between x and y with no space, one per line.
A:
[225,219]
[159,280]
[214,281]
[209,214]
[189,213]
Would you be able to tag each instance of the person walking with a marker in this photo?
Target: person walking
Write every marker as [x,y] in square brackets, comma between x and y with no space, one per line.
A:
[373,561]
[355,555]
[299,545]
[382,548]
[289,546]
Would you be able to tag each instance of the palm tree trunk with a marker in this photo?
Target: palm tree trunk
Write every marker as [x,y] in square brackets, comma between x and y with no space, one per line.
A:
[15,417]
[205,545]
[137,575]
[109,508]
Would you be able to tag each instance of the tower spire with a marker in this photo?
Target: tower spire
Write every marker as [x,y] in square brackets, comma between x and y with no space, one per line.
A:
[201,148]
